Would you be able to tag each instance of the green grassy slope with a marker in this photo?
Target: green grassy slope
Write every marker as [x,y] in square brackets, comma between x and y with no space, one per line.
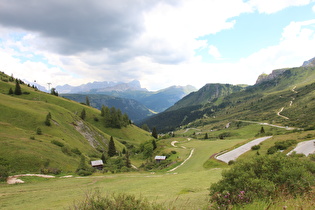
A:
[23,150]
[293,91]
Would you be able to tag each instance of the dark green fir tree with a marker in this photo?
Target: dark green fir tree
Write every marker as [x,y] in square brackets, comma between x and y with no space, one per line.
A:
[111,147]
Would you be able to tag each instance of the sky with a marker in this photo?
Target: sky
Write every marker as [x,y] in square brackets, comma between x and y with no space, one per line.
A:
[158,42]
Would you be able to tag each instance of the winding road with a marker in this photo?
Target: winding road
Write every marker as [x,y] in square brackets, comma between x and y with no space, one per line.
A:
[305,147]
[234,154]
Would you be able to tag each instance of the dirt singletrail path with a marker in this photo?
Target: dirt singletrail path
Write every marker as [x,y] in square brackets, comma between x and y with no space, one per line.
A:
[15,178]
[290,104]
[190,155]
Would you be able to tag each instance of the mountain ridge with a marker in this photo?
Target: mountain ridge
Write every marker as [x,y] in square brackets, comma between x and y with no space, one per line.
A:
[100,86]
[257,102]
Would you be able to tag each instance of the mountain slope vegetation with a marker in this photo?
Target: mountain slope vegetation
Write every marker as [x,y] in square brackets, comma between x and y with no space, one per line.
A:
[137,103]
[29,144]
[289,94]
[135,110]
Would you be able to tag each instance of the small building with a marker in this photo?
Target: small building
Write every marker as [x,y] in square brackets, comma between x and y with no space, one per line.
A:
[98,164]
[159,158]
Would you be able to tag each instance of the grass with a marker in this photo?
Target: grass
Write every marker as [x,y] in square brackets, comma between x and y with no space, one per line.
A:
[28,152]
[184,188]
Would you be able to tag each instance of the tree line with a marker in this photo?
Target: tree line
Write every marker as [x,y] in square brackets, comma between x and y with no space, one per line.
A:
[114,118]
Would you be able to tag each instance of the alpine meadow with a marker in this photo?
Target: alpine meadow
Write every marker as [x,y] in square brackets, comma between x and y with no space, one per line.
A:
[56,153]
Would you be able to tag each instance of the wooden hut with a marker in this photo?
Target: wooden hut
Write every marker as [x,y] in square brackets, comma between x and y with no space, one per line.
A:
[98,164]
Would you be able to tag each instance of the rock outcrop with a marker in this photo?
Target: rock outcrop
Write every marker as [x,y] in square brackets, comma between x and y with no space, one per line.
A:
[267,77]
[309,63]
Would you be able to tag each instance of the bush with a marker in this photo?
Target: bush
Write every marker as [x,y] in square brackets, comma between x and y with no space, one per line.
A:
[76,151]
[66,150]
[224,135]
[82,172]
[58,143]
[255,147]
[54,171]
[272,150]
[115,201]
[262,178]
[4,173]
[83,168]
[39,131]
[280,145]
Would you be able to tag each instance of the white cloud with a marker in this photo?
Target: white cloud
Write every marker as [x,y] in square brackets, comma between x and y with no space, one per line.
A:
[213,50]
[272,6]
[296,46]
[161,52]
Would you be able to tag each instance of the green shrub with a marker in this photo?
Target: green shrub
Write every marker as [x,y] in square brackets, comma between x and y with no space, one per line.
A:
[39,131]
[84,172]
[83,168]
[4,173]
[58,143]
[76,151]
[280,145]
[272,150]
[54,171]
[231,162]
[255,147]
[224,135]
[115,201]
[66,150]
[263,178]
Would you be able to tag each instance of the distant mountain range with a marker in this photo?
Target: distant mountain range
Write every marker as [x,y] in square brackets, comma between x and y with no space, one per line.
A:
[131,98]
[105,86]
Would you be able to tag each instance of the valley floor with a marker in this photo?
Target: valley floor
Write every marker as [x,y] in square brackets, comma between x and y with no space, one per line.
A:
[185,188]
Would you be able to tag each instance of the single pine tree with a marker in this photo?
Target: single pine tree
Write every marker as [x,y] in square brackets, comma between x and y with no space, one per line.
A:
[103,158]
[145,127]
[48,118]
[54,92]
[262,130]
[17,90]
[154,133]
[83,114]
[87,101]
[111,147]
[154,144]
[206,136]
[11,91]
[128,163]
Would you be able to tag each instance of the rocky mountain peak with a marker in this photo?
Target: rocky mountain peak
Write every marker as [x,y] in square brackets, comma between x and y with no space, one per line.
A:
[266,77]
[309,63]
